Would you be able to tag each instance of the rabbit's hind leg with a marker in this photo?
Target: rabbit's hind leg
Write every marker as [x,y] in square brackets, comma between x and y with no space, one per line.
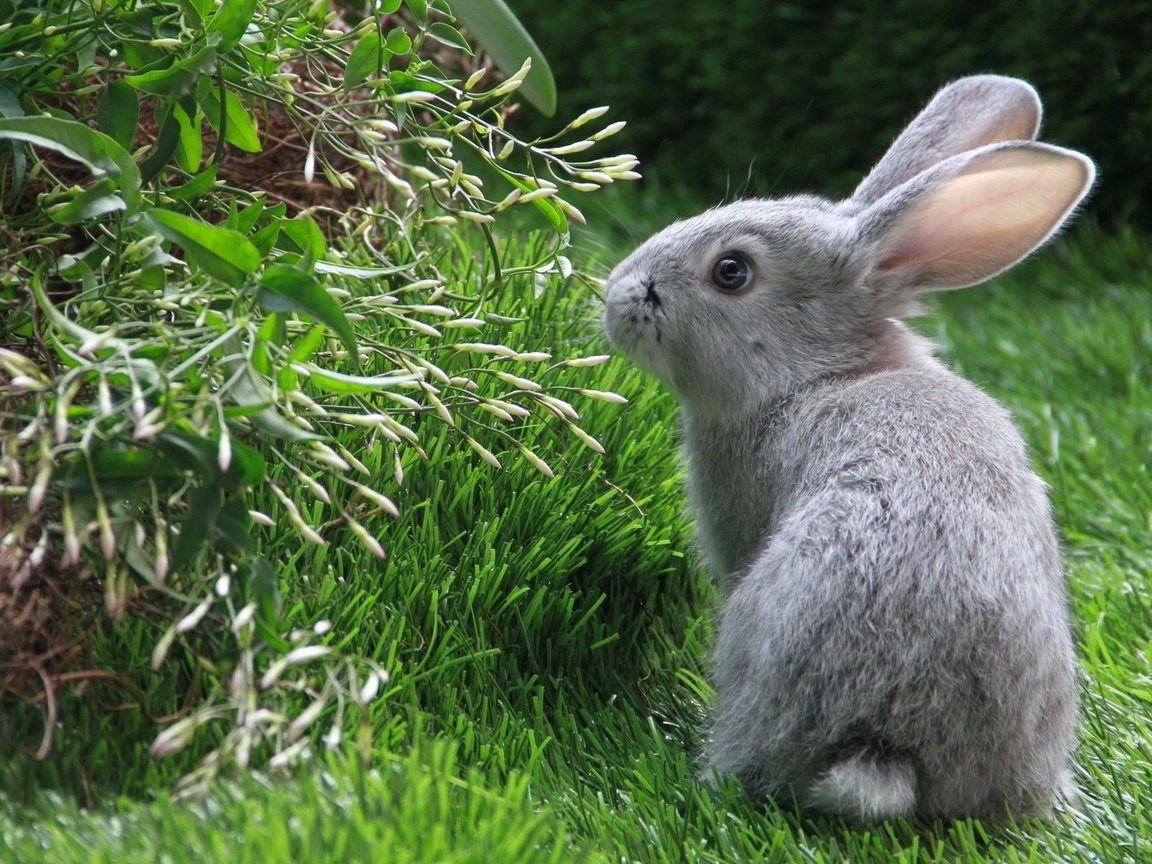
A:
[868,786]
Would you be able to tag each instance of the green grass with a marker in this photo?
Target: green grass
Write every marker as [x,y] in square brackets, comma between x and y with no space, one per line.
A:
[547,639]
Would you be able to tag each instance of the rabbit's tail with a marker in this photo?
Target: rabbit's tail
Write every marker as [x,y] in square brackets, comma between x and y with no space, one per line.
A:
[866,787]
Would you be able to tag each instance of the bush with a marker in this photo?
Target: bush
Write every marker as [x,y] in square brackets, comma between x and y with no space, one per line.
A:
[250,257]
[769,98]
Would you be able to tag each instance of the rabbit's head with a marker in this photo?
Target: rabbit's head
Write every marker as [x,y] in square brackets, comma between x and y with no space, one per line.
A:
[743,302]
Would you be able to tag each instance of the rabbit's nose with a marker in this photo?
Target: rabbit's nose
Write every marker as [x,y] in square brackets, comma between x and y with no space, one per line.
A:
[650,295]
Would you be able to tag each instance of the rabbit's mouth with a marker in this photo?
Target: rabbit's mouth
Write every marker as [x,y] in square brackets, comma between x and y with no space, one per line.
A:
[633,315]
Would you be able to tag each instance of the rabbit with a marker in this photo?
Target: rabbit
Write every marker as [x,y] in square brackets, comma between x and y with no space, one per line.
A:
[894,638]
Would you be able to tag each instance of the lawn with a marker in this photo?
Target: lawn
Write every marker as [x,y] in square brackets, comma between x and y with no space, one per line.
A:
[547,639]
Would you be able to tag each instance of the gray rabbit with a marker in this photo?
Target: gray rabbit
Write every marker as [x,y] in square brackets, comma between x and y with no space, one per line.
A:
[895,638]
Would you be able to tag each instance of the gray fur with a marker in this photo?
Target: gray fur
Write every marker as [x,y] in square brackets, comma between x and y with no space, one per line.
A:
[894,638]
[970,113]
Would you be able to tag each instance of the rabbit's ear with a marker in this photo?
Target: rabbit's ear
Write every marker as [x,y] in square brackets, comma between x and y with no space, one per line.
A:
[972,216]
[970,113]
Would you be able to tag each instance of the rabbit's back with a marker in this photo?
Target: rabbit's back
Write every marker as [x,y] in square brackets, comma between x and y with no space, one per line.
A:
[908,599]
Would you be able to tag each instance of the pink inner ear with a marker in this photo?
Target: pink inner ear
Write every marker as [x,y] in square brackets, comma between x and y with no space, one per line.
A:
[986,218]
[1019,126]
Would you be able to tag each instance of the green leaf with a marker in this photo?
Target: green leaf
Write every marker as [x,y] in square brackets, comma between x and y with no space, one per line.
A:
[115,471]
[305,237]
[192,451]
[231,21]
[9,102]
[306,345]
[167,140]
[95,150]
[500,33]
[72,269]
[403,82]
[366,59]
[134,464]
[265,239]
[85,51]
[248,462]
[239,127]
[203,506]
[178,79]
[128,542]
[11,64]
[196,10]
[419,9]
[140,55]
[201,454]
[545,205]
[234,525]
[251,393]
[398,41]
[117,112]
[203,62]
[264,591]
[225,255]
[274,331]
[152,279]
[10,107]
[190,144]
[286,289]
[450,36]
[243,220]
[195,187]
[97,200]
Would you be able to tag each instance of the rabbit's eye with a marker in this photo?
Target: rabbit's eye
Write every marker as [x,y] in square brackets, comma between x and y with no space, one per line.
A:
[732,272]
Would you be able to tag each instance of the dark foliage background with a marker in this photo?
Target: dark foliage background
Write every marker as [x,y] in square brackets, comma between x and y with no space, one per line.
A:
[754,98]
